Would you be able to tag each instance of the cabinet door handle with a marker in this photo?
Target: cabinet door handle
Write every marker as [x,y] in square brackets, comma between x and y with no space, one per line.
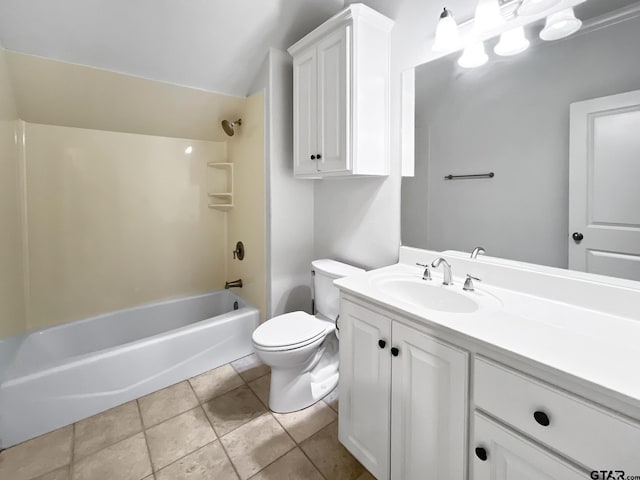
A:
[313,157]
[319,156]
[542,418]
[394,351]
[481,453]
[382,343]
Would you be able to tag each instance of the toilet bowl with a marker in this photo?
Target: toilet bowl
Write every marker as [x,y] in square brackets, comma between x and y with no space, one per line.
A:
[302,349]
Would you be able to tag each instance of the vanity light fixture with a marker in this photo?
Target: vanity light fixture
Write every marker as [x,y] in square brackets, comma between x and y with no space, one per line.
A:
[512,42]
[473,55]
[488,16]
[447,34]
[535,7]
[560,25]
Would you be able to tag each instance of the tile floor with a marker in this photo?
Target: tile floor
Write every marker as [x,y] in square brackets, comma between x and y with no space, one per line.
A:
[213,426]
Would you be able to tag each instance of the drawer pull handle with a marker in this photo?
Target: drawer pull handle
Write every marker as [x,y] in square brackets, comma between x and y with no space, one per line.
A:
[395,351]
[481,453]
[382,343]
[542,418]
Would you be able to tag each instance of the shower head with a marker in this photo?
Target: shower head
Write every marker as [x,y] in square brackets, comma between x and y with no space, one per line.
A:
[229,127]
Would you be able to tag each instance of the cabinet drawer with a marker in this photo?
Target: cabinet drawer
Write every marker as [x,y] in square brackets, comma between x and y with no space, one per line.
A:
[505,455]
[590,435]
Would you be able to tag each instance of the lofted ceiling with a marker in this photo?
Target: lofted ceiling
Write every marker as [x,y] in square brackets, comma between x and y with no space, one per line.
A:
[213,45]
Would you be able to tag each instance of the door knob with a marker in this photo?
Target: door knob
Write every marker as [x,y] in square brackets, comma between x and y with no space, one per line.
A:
[382,343]
[395,351]
[313,157]
[319,156]
[577,237]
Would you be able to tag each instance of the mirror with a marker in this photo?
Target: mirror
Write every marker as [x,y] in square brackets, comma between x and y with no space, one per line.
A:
[513,117]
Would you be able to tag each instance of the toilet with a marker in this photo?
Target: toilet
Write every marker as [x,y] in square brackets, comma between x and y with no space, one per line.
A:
[302,349]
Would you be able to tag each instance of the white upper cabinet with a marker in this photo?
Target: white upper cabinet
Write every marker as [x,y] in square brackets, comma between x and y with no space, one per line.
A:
[341,96]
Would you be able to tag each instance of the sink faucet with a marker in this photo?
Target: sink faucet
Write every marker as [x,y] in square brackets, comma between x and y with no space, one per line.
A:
[477,251]
[232,284]
[447,270]
[427,273]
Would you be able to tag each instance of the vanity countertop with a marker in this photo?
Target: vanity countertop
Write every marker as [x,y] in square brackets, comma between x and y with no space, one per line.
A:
[592,345]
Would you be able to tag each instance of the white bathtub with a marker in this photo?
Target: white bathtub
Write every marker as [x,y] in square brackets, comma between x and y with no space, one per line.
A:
[53,377]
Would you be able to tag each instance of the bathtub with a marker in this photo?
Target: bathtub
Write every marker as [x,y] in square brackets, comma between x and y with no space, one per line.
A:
[56,376]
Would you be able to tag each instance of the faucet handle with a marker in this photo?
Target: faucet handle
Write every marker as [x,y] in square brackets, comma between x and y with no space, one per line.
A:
[468,283]
[427,271]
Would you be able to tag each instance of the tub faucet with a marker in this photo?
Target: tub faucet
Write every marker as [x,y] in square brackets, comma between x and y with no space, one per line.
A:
[446,270]
[233,284]
[477,251]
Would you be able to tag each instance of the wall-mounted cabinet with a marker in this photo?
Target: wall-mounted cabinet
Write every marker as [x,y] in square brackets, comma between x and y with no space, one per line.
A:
[220,186]
[341,96]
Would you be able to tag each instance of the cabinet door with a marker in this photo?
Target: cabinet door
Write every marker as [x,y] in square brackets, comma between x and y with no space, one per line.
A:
[508,456]
[429,408]
[365,381]
[305,113]
[333,100]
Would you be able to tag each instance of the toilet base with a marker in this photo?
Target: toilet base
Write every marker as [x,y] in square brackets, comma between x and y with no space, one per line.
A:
[293,389]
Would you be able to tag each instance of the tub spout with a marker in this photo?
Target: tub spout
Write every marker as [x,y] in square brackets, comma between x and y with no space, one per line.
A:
[233,284]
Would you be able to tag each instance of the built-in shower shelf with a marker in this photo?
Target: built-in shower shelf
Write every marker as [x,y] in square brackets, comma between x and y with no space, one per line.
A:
[220,186]
[221,206]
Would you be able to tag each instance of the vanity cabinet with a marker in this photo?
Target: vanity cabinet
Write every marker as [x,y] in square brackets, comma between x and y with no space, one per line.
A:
[341,96]
[402,398]
[407,404]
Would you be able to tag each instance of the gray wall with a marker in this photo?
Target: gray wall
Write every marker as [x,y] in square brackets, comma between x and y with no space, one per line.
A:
[510,116]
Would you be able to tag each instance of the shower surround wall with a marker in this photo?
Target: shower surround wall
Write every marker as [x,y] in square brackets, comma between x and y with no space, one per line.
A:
[246,220]
[116,220]
[12,315]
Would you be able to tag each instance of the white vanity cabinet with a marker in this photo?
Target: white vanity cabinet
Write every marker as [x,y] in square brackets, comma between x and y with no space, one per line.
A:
[341,96]
[403,398]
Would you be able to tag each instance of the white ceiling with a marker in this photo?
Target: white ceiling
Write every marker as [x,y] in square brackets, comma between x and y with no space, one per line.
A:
[213,45]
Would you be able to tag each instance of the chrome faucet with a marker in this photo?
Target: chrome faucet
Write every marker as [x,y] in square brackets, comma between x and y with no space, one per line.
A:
[446,270]
[233,284]
[427,272]
[477,251]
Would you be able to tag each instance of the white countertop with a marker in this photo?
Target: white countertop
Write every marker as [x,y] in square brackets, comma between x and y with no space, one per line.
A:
[595,346]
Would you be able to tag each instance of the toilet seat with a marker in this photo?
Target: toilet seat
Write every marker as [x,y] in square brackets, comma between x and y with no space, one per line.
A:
[289,331]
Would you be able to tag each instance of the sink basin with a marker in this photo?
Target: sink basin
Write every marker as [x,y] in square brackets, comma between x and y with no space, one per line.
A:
[433,295]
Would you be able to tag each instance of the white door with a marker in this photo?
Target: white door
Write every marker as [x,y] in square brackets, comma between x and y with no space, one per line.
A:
[429,408]
[365,383]
[305,113]
[500,454]
[604,189]
[333,99]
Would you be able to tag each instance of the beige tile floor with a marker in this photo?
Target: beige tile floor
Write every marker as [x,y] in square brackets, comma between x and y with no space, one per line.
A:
[213,426]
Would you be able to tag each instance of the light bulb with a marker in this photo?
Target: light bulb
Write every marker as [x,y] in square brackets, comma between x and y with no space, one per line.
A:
[488,16]
[188,150]
[512,42]
[473,56]
[560,25]
[447,34]
[535,7]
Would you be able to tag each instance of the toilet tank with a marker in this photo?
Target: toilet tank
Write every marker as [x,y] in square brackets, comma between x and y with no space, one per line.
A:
[326,294]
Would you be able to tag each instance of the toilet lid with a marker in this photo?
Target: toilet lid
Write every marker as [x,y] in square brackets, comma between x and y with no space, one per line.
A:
[289,329]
